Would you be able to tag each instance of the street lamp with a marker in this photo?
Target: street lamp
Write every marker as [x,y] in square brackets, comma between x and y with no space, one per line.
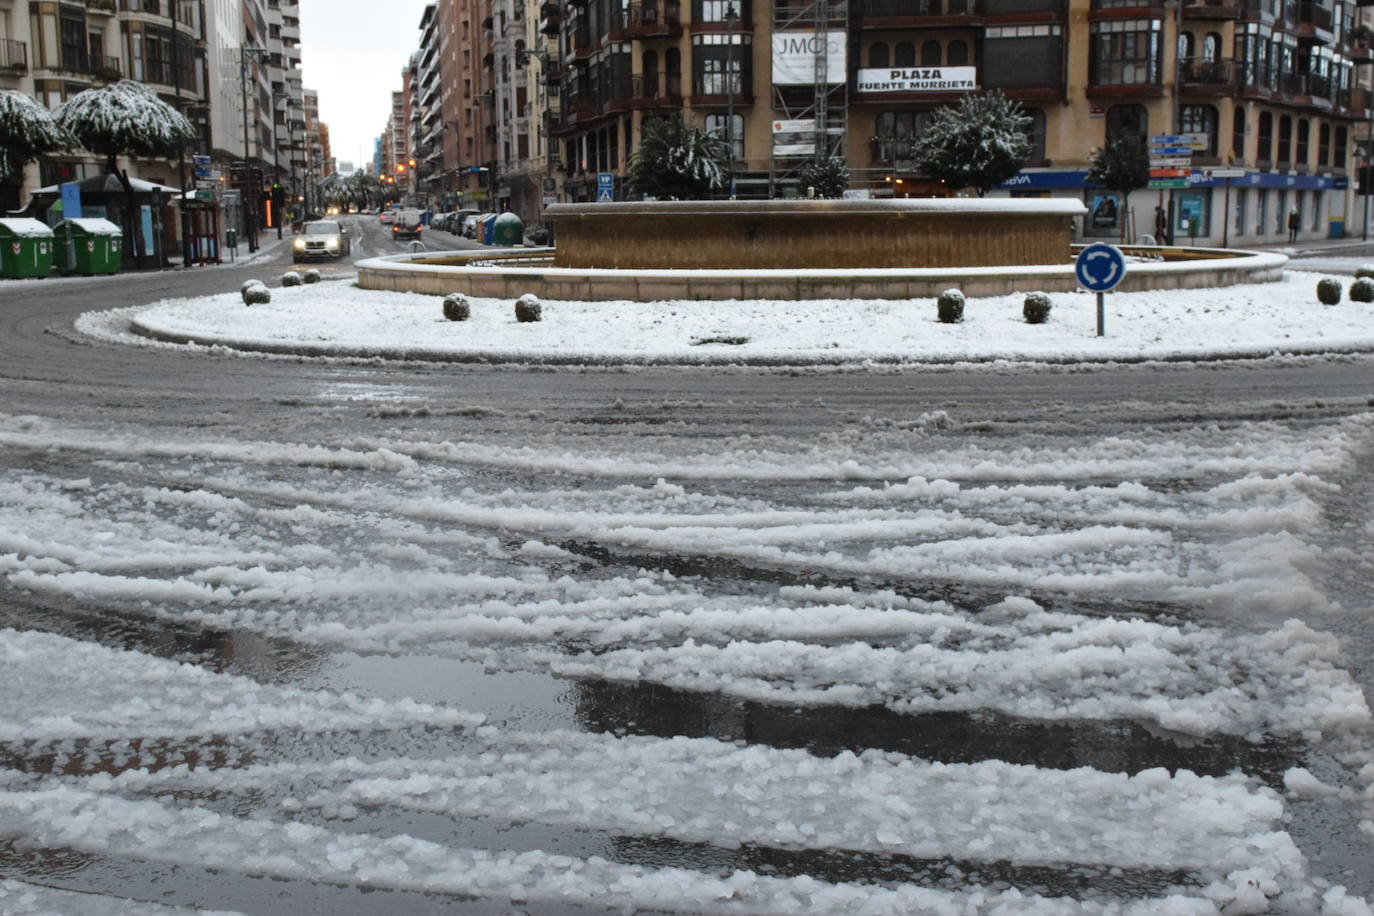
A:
[251,220]
[731,20]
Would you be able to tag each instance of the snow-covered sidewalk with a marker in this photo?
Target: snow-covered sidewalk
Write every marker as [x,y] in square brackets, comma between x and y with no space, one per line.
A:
[333,319]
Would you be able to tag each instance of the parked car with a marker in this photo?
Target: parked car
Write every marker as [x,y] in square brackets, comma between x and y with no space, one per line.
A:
[459,219]
[324,238]
[388,217]
[407,225]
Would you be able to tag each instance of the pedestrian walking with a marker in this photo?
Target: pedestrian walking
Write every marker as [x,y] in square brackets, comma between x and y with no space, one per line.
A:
[1293,220]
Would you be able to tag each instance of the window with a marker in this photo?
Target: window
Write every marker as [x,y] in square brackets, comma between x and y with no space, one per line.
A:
[1317,198]
[1324,144]
[956,55]
[1128,119]
[1185,45]
[713,55]
[1125,52]
[1281,212]
[1211,47]
[1238,135]
[1036,133]
[1200,119]
[714,10]
[1260,208]
[716,124]
[894,133]
[1240,211]
[905,55]
[1285,139]
[1304,140]
[74,45]
[1022,57]
[930,54]
[878,55]
[1265,153]
[650,75]
[1341,158]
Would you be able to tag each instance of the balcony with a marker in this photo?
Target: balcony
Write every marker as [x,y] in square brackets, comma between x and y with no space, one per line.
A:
[1314,24]
[1211,9]
[550,17]
[106,69]
[924,13]
[101,7]
[1361,53]
[656,90]
[653,19]
[14,57]
[1208,77]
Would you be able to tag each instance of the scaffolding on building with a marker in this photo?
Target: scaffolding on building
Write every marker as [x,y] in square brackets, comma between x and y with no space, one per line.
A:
[825,103]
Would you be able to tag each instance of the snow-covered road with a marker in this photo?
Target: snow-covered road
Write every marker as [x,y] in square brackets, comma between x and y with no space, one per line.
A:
[286,638]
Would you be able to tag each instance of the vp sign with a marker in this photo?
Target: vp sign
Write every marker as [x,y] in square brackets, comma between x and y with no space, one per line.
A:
[1099,268]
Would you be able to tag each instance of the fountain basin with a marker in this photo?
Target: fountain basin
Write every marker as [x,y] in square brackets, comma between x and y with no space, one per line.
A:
[802,234]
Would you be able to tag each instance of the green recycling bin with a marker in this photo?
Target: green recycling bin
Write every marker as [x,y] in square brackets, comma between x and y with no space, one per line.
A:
[89,246]
[25,249]
[509,230]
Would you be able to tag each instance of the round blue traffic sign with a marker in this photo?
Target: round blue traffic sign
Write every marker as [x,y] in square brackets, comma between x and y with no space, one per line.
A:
[1100,267]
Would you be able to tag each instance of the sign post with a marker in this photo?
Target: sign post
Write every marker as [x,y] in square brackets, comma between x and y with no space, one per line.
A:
[605,187]
[1099,268]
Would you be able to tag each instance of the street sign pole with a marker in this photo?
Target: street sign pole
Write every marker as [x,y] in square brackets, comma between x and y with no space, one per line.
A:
[1099,268]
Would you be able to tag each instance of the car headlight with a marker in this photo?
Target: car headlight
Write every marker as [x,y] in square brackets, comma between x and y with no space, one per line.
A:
[299,243]
[332,242]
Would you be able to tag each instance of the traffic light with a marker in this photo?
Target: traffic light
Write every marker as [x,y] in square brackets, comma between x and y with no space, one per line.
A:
[1364,180]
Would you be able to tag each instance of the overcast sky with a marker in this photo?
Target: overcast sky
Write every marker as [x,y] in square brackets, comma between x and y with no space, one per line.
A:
[352,52]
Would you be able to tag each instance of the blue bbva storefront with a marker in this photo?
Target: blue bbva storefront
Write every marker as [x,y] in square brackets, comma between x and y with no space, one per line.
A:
[1259,203]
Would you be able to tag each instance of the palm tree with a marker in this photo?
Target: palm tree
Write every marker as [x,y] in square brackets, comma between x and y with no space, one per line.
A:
[677,161]
[126,119]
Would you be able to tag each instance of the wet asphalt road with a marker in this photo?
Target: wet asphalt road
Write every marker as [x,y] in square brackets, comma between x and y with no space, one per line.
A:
[49,371]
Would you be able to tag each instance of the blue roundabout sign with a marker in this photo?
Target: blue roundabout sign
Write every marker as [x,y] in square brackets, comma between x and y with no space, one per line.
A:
[1100,267]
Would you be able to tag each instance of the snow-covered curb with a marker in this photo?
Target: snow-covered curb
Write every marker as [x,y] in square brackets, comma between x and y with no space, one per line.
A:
[1255,321]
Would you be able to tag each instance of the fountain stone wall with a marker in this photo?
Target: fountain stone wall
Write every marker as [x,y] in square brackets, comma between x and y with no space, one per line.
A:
[810,234]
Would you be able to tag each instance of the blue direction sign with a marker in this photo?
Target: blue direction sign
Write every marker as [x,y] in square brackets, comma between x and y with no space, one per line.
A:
[605,186]
[1172,151]
[1100,267]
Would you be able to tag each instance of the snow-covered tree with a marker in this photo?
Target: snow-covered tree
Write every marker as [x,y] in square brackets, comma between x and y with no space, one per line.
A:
[677,161]
[27,131]
[980,143]
[1123,165]
[126,119]
[828,175]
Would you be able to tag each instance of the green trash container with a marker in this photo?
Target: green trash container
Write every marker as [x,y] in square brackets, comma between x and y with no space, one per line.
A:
[509,230]
[89,246]
[25,249]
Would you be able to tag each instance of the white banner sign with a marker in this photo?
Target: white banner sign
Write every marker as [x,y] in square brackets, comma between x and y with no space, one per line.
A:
[919,79]
[794,149]
[798,126]
[795,53]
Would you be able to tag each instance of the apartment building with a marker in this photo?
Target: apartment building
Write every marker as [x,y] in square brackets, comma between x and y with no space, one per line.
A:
[1270,92]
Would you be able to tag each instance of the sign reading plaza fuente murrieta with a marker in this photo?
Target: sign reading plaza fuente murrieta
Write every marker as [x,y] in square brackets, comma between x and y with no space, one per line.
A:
[795,53]
[918,79]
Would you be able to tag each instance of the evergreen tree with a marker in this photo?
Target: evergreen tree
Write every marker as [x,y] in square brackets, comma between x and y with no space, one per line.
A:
[677,161]
[1123,165]
[827,175]
[27,131]
[126,119]
[980,143]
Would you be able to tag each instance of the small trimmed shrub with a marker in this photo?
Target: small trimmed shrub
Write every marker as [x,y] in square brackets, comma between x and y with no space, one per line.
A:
[1362,290]
[256,295]
[248,283]
[1036,308]
[950,307]
[537,235]
[311,276]
[291,278]
[1328,291]
[1365,270]
[527,308]
[457,307]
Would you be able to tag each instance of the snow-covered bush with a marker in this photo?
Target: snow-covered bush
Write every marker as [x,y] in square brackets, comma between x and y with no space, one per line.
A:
[1362,290]
[291,278]
[248,283]
[1365,270]
[311,276]
[527,308]
[950,306]
[256,294]
[1036,308]
[1328,291]
[458,308]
